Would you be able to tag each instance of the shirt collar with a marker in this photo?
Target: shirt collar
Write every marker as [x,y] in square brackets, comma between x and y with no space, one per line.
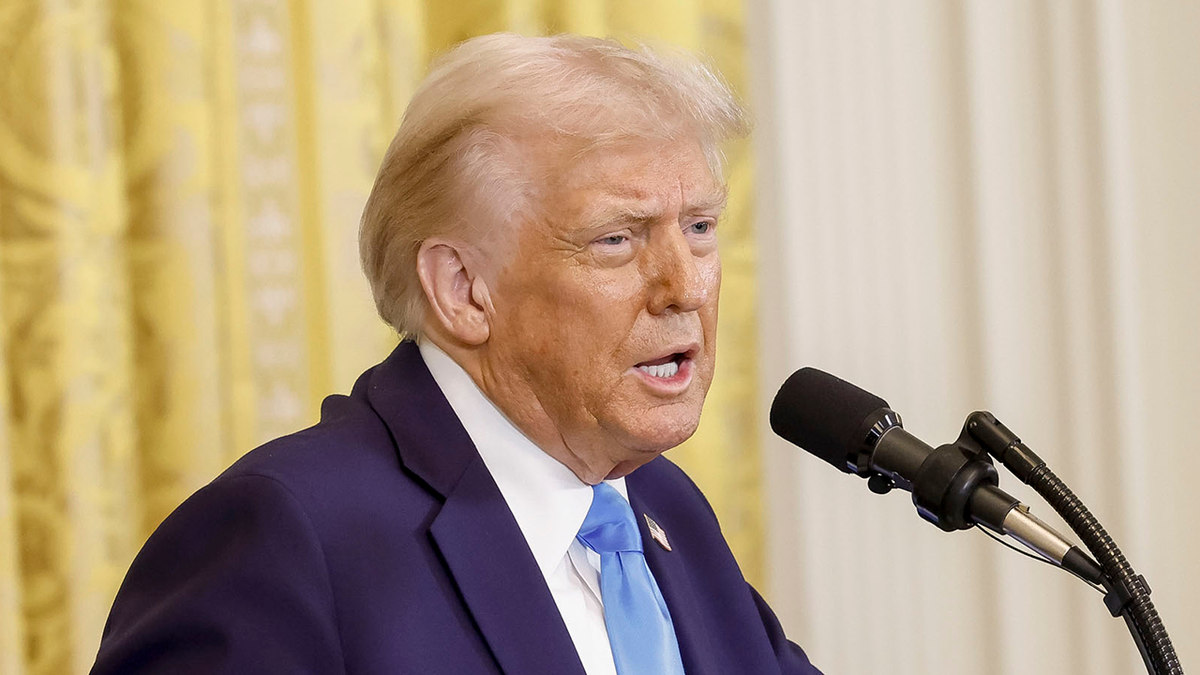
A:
[547,499]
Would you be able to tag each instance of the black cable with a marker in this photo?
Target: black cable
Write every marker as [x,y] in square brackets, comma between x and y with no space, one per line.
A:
[1038,558]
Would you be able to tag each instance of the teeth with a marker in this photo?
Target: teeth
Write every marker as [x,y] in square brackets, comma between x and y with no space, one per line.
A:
[668,369]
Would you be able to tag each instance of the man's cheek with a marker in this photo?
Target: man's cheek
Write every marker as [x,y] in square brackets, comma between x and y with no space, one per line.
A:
[576,403]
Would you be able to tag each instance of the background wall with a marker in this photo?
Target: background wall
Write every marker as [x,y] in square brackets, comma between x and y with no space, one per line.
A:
[972,205]
[180,187]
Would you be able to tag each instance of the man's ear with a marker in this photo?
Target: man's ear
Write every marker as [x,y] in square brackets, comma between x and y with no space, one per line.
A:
[458,297]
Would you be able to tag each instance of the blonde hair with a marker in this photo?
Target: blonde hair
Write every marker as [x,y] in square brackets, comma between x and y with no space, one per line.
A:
[460,142]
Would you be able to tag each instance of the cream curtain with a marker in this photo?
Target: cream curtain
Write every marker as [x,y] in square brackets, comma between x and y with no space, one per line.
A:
[991,205]
[180,185]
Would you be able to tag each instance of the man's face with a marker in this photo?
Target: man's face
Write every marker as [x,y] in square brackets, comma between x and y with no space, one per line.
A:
[604,334]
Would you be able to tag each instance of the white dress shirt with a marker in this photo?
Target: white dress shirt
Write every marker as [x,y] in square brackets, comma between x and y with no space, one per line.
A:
[548,501]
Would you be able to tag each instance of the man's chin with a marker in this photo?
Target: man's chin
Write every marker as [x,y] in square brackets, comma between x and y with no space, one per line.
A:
[644,450]
[660,435]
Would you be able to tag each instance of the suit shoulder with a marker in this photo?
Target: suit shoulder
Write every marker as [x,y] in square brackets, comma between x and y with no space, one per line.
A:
[343,472]
[348,442]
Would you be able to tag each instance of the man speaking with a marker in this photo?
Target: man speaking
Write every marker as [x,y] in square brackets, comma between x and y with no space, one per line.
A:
[490,499]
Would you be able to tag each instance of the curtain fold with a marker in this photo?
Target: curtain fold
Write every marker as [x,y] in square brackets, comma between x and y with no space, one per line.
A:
[979,205]
[180,188]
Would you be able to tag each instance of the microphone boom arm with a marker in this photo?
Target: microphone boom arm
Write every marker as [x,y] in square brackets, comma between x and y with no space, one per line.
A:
[1128,593]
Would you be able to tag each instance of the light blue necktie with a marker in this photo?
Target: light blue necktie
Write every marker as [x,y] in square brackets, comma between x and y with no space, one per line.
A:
[639,626]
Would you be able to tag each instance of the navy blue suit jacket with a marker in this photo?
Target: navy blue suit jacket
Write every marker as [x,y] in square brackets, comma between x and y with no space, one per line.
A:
[377,542]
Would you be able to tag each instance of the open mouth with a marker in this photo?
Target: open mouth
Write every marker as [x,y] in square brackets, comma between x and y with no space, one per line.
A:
[667,367]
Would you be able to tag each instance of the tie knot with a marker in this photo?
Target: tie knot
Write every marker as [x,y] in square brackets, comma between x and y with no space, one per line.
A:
[610,525]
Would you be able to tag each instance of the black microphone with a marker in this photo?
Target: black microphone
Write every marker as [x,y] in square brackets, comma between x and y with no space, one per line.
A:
[954,486]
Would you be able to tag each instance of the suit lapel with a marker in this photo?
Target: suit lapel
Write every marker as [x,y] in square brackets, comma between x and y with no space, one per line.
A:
[475,532]
[673,580]
[500,580]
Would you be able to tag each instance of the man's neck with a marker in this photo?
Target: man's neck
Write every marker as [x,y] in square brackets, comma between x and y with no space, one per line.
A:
[521,406]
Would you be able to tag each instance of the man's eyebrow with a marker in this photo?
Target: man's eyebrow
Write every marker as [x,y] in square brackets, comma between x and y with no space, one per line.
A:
[713,201]
[627,211]
[635,210]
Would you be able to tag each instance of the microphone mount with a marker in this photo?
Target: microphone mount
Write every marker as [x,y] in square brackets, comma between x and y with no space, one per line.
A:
[956,486]
[945,483]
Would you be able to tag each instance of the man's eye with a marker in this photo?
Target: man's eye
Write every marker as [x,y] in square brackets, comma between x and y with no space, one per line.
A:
[613,240]
[701,227]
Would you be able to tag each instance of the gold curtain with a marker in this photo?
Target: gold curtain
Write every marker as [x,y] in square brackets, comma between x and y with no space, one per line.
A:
[180,185]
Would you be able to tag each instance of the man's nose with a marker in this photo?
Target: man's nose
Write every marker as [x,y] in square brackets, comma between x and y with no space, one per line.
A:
[675,275]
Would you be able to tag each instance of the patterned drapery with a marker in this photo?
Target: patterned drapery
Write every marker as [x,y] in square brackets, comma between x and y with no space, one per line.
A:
[180,185]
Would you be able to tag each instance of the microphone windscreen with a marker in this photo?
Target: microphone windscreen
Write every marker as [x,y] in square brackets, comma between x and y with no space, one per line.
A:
[822,414]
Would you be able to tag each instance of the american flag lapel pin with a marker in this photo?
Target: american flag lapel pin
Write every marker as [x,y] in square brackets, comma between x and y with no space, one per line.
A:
[657,533]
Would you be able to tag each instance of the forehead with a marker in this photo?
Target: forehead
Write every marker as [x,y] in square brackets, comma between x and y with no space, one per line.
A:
[647,170]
